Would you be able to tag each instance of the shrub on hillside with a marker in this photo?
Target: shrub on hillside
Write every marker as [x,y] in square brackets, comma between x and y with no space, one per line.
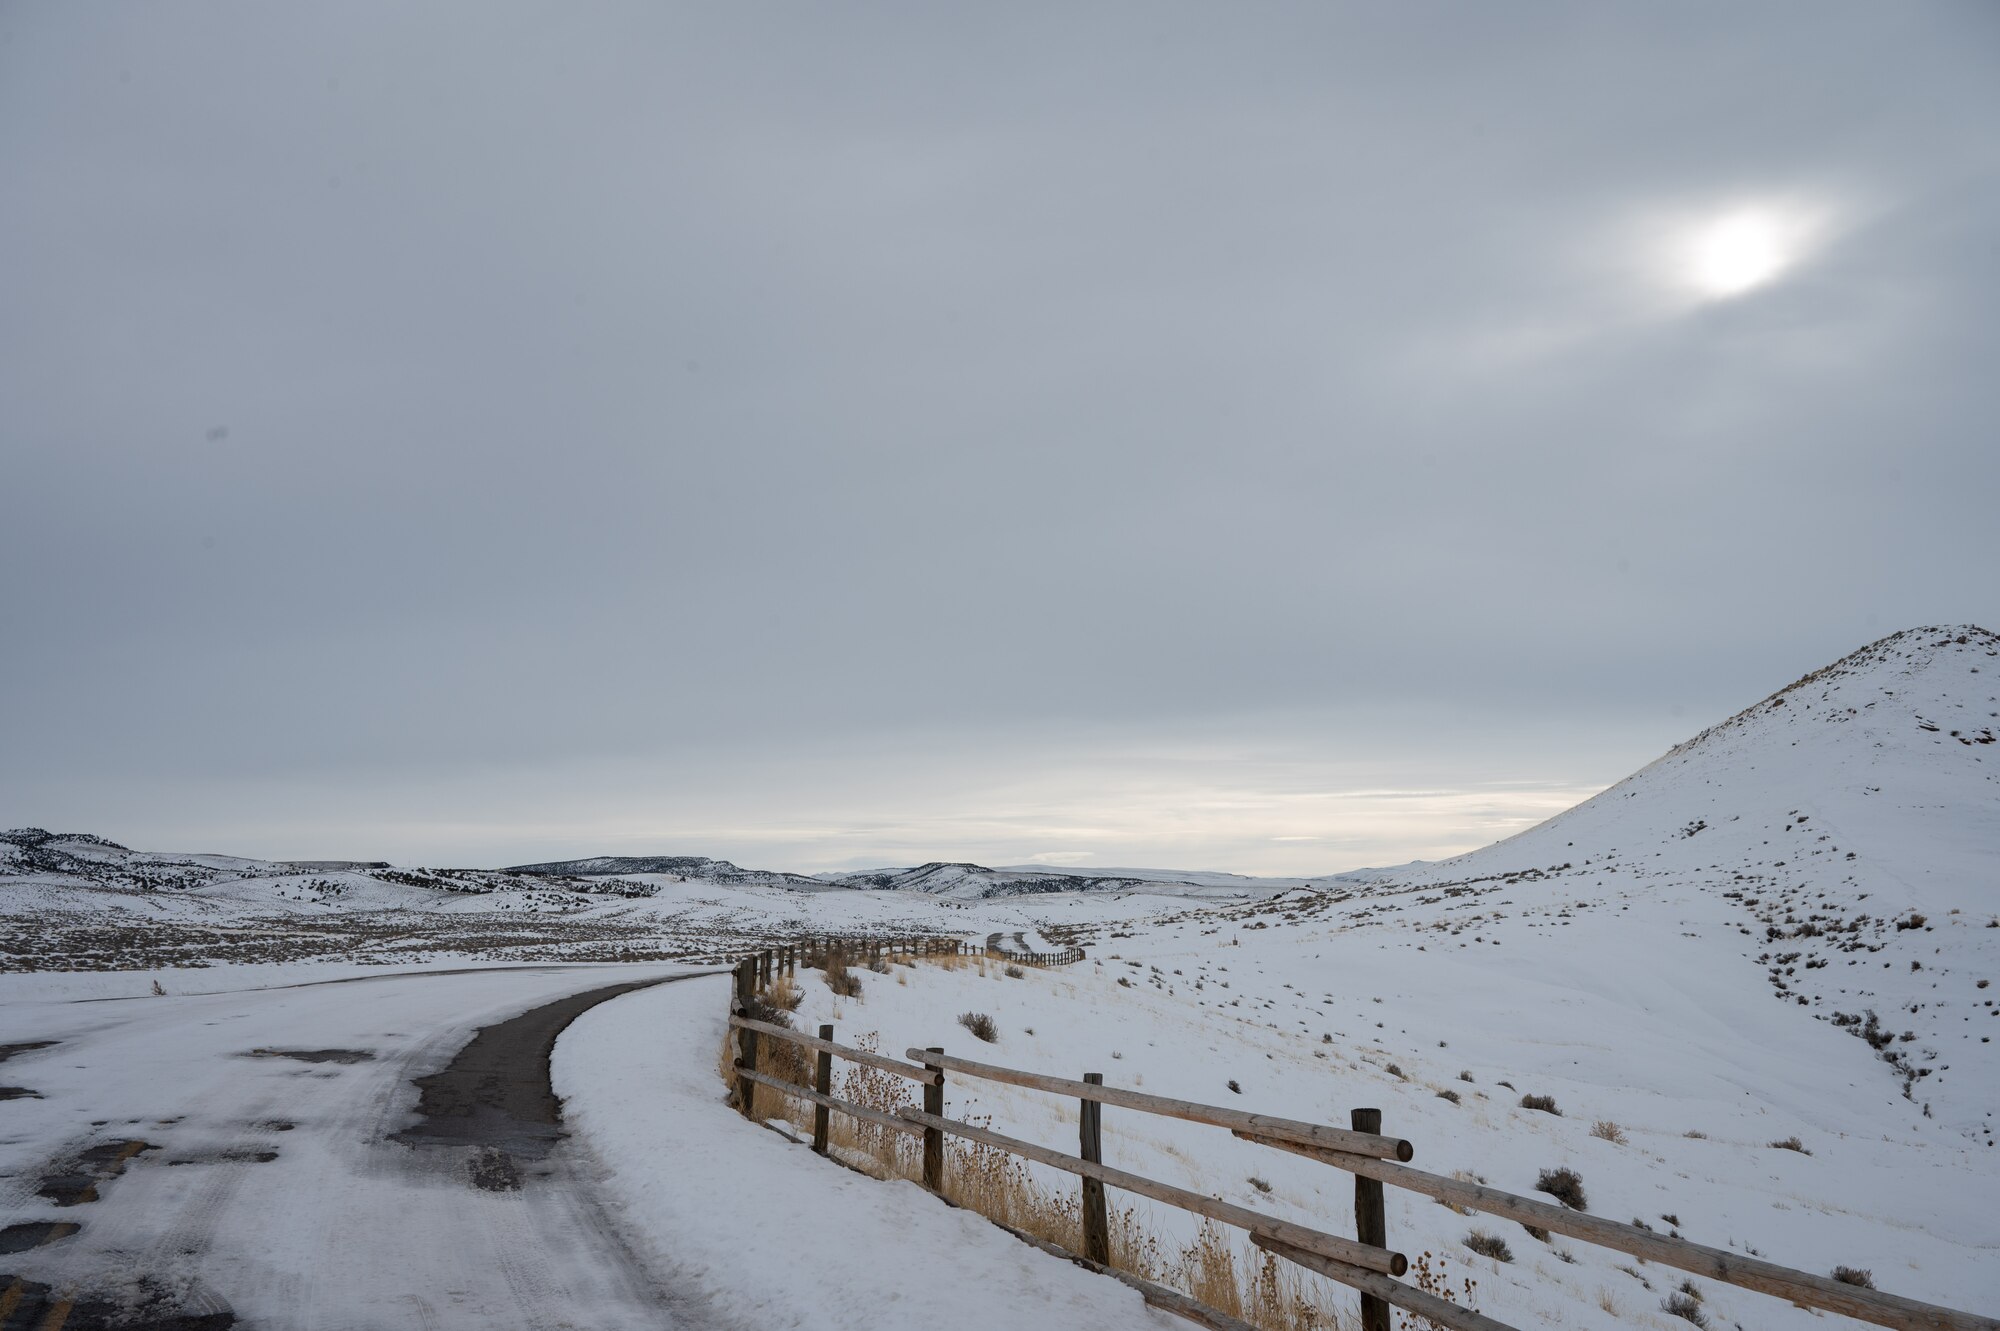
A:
[1565,1185]
[980,1025]
[1605,1129]
[1545,1103]
[1015,973]
[1791,1144]
[1685,1306]
[840,979]
[1489,1245]
[1854,1275]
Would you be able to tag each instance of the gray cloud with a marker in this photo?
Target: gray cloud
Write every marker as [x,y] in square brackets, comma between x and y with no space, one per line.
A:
[546,414]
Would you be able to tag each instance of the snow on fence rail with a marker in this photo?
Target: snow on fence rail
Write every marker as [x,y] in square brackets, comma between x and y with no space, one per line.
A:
[1365,1263]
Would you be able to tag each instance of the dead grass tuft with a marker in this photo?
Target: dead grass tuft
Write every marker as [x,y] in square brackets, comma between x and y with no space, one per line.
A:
[1685,1306]
[784,992]
[839,978]
[1606,1130]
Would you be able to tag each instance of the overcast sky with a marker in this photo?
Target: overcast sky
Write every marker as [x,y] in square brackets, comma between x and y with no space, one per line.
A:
[1265,437]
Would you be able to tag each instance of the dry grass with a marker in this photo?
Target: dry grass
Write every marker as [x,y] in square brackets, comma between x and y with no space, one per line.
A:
[1607,1130]
[839,978]
[1243,1281]
[1683,1305]
[1608,1301]
[953,961]
[1565,1185]
[784,992]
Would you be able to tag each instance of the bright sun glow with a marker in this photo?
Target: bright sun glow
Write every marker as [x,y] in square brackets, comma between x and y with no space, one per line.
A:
[1742,251]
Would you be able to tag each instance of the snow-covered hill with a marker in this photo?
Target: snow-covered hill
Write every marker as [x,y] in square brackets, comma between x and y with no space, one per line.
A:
[1842,835]
[963,881]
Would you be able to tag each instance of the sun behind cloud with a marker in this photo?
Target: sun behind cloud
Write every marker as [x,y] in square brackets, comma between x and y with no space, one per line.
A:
[1729,254]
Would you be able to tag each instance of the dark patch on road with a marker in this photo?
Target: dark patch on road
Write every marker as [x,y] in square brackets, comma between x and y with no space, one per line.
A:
[18,1093]
[316,1055]
[7,1051]
[26,1304]
[496,1097]
[76,1183]
[35,1233]
[493,1170]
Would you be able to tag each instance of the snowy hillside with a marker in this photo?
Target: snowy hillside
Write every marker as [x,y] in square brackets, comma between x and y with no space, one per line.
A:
[1842,835]
[975,881]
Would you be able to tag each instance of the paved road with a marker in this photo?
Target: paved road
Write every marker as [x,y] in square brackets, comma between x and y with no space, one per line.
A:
[327,1156]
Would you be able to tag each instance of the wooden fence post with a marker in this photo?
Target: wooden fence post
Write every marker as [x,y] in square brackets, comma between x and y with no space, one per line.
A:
[1371,1221]
[746,1090]
[934,1137]
[823,1083]
[1096,1224]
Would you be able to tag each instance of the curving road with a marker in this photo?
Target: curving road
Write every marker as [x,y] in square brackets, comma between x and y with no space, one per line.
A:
[381,1152]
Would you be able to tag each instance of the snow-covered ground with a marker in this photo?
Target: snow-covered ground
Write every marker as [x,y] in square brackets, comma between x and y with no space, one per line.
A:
[1616,1034]
[770,1231]
[1684,963]
[236,1144]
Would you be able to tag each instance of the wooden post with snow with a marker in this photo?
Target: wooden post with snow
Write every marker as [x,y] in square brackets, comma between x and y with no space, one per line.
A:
[823,1083]
[934,1137]
[1371,1221]
[746,1040]
[1096,1223]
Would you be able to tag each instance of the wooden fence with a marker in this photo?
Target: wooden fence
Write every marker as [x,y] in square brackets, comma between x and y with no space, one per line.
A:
[1366,1262]
[1062,958]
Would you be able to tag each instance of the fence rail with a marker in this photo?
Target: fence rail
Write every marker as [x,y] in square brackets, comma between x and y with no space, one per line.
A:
[1365,1263]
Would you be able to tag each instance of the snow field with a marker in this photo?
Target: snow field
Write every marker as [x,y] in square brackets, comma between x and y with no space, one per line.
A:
[767,1230]
[1611,1036]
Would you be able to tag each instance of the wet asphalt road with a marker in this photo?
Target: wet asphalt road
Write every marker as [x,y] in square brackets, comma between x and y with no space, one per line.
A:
[386,1152]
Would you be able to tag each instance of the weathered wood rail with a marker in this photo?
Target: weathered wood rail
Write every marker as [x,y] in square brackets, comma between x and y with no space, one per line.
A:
[1365,1263]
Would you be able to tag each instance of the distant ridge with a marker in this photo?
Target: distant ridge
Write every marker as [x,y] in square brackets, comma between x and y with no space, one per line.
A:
[964,880]
[681,866]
